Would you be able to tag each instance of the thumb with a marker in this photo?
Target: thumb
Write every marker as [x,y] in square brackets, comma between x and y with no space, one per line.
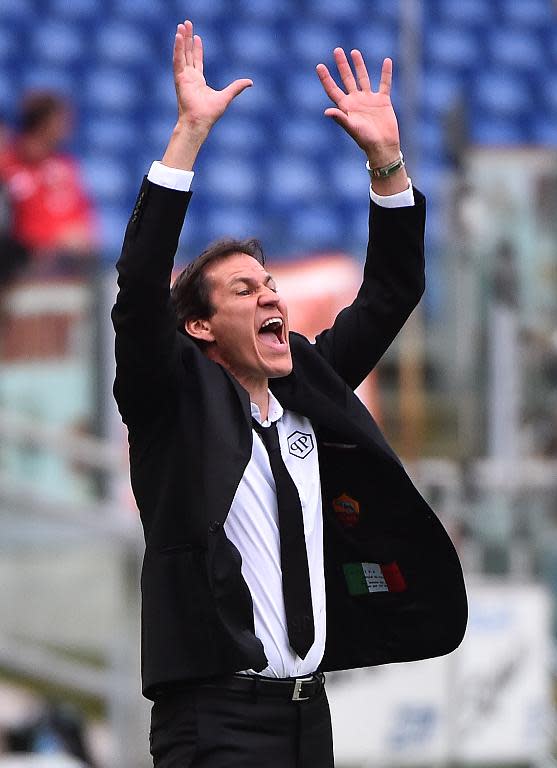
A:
[236,88]
[338,116]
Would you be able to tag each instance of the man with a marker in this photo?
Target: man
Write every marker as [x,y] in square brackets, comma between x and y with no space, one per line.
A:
[52,215]
[283,537]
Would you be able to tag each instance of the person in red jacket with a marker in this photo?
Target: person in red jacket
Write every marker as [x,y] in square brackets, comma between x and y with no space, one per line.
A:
[52,214]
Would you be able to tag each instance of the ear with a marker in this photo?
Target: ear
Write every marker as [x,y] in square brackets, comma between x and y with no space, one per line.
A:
[200,329]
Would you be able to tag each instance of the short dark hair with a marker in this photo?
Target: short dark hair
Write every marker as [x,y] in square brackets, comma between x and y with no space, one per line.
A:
[191,291]
[37,107]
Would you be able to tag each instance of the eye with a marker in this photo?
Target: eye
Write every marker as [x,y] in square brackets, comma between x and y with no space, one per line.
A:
[245,292]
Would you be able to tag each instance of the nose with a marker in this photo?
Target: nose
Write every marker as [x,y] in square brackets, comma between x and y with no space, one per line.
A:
[267,297]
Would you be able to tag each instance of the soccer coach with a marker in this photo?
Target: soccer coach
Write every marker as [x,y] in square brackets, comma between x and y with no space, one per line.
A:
[283,537]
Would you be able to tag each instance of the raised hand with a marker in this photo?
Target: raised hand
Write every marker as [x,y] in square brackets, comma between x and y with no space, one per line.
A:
[366,115]
[199,106]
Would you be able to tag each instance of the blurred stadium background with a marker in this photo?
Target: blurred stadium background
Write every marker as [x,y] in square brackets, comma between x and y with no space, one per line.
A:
[468,393]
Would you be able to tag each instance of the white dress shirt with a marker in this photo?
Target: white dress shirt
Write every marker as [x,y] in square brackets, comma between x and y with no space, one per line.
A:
[252,522]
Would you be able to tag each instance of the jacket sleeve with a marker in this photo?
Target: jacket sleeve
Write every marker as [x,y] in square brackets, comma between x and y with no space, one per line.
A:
[392,285]
[147,340]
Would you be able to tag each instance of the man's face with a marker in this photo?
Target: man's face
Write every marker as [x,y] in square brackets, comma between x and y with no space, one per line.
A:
[250,324]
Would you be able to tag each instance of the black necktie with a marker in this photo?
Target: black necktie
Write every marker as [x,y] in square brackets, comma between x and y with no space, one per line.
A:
[293,555]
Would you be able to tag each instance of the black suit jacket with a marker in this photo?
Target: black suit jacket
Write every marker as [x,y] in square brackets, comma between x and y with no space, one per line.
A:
[190,440]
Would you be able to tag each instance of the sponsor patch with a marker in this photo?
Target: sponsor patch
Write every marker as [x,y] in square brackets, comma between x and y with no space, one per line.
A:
[366,578]
[300,444]
[347,510]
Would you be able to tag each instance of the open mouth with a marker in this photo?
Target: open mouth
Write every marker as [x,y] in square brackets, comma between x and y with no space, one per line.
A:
[271,332]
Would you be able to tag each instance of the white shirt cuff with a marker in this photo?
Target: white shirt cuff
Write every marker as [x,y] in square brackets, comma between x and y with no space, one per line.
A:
[173,178]
[399,200]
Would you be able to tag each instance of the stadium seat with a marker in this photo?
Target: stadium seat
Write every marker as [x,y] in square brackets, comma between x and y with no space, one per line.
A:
[7,90]
[254,43]
[489,130]
[16,9]
[106,178]
[516,48]
[343,10]
[543,130]
[57,43]
[240,133]
[113,90]
[310,135]
[443,90]
[240,221]
[348,178]
[123,43]
[113,220]
[534,13]
[376,41]
[135,10]
[8,44]
[501,93]
[291,178]
[200,10]
[478,13]
[269,10]
[112,134]
[314,227]
[452,46]
[231,177]
[64,81]
[79,10]
[305,92]
[313,42]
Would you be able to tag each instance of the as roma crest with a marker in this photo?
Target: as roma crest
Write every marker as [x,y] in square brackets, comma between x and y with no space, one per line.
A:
[347,510]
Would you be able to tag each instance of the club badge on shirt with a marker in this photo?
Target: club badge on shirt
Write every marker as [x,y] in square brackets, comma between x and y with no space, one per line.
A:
[347,510]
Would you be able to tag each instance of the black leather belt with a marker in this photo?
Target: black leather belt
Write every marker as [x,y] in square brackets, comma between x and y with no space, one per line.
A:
[293,688]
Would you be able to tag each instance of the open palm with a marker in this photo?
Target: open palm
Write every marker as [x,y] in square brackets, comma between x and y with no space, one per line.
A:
[199,105]
[366,115]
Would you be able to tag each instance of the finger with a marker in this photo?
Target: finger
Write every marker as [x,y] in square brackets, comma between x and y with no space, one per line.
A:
[178,59]
[330,87]
[338,116]
[188,42]
[236,88]
[344,70]
[197,53]
[361,70]
[386,77]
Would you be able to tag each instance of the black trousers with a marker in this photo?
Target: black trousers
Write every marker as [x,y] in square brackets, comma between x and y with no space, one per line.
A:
[210,726]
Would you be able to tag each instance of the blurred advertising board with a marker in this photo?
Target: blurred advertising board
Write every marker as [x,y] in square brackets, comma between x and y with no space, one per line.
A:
[489,702]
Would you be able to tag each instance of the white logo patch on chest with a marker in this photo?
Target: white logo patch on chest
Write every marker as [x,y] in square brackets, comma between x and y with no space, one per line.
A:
[300,444]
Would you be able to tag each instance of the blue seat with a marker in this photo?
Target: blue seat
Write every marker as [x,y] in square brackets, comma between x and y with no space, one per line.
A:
[254,43]
[240,221]
[452,46]
[260,98]
[291,178]
[57,42]
[7,90]
[467,12]
[501,132]
[106,178]
[543,130]
[313,42]
[18,9]
[112,90]
[548,92]
[108,133]
[123,43]
[134,10]
[51,78]
[443,90]
[232,177]
[9,44]
[113,220]
[501,93]
[534,13]
[314,227]
[516,49]
[348,178]
[78,10]
[376,41]
[269,10]
[239,133]
[305,92]
[313,135]
[343,10]
[200,10]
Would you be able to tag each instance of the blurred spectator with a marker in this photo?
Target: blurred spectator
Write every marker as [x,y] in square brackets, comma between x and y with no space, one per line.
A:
[13,255]
[52,215]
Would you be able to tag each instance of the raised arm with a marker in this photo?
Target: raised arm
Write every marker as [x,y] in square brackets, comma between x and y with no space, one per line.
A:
[394,270]
[143,317]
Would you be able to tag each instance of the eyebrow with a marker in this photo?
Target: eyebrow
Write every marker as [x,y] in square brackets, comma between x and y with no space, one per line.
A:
[251,280]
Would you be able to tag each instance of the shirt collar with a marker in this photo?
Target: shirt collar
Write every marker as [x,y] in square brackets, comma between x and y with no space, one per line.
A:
[275,411]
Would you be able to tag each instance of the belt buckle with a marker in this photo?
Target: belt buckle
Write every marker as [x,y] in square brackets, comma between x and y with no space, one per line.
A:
[298,689]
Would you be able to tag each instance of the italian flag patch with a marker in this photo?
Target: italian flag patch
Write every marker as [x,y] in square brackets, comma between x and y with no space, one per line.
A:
[365,578]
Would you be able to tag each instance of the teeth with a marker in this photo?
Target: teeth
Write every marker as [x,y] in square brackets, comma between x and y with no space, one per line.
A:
[272,320]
